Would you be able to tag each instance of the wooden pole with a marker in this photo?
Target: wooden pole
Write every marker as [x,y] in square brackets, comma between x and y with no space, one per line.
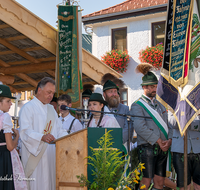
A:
[185,160]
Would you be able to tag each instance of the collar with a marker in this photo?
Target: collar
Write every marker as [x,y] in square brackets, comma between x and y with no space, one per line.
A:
[148,100]
[66,117]
[39,102]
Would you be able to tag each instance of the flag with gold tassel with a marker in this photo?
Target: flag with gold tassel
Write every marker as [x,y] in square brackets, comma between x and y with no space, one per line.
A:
[179,83]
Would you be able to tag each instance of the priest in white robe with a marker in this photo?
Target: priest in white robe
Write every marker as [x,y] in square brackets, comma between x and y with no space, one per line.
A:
[35,132]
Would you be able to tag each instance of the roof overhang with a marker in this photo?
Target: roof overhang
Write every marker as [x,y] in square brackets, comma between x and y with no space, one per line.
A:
[124,14]
[28,50]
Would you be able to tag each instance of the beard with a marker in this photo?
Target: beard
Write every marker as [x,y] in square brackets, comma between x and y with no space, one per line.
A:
[151,94]
[113,101]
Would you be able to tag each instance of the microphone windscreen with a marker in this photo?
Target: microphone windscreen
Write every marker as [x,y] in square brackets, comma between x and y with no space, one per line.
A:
[63,107]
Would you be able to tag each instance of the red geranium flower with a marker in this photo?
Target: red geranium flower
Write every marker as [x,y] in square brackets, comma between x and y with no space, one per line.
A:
[117,60]
[152,55]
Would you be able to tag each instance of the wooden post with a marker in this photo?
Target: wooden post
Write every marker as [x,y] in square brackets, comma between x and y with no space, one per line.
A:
[185,160]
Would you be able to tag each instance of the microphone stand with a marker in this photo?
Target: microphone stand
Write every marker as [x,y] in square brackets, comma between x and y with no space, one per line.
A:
[123,115]
[128,116]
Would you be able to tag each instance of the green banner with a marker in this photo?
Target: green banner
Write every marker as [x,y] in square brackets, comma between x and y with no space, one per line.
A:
[68,54]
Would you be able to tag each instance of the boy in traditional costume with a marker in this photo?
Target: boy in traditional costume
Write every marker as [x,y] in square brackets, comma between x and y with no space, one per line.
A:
[69,122]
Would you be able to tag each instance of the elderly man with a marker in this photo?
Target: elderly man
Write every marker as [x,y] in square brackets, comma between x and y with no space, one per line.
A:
[39,125]
[152,131]
[111,95]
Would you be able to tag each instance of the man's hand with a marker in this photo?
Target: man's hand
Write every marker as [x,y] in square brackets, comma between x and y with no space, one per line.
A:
[48,138]
[166,144]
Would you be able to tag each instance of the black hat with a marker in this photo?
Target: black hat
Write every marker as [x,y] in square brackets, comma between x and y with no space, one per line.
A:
[149,79]
[97,97]
[5,92]
[87,93]
[110,85]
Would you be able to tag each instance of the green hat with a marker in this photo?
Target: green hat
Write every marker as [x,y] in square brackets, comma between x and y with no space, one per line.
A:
[5,92]
[149,79]
[87,93]
[97,97]
[109,85]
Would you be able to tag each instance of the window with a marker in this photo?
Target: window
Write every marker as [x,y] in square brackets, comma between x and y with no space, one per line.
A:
[119,40]
[158,33]
[124,96]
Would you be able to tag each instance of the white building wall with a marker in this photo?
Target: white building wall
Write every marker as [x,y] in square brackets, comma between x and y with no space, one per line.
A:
[138,37]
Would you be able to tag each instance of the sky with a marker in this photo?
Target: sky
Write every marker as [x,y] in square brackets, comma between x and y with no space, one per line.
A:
[47,10]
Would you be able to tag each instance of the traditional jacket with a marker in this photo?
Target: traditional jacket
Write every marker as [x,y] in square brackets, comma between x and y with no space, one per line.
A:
[123,123]
[146,129]
[193,136]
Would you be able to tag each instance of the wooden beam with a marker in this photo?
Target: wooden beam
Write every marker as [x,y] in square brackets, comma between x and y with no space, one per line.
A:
[21,37]
[6,52]
[17,50]
[91,82]
[20,83]
[20,18]
[2,26]
[5,65]
[85,77]
[23,82]
[29,68]
[26,89]
[28,79]
[26,61]
[52,73]
[33,48]
[7,79]
[26,49]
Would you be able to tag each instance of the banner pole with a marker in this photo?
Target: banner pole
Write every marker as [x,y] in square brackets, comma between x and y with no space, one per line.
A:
[185,160]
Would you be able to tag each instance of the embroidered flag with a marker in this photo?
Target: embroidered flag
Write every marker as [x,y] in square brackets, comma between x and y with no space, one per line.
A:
[179,83]
[68,73]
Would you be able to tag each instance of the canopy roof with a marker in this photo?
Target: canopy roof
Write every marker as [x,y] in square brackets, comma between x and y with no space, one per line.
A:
[28,50]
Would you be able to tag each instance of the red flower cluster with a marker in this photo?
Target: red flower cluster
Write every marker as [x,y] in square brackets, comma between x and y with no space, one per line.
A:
[152,55]
[117,60]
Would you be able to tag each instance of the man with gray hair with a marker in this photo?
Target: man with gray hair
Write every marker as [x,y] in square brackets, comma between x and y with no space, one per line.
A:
[39,125]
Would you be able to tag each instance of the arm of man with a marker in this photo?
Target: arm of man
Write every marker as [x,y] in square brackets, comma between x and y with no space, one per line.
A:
[29,136]
[125,127]
[140,125]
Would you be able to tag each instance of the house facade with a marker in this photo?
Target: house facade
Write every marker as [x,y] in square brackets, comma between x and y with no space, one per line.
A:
[131,25]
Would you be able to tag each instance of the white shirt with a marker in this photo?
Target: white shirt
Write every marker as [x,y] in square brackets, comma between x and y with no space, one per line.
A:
[67,122]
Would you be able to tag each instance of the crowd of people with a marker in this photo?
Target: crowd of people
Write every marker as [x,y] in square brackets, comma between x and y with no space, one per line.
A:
[156,129]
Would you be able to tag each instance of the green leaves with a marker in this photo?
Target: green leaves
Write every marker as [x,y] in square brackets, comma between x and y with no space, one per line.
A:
[107,164]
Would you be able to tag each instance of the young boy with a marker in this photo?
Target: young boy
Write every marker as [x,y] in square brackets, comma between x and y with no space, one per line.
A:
[69,123]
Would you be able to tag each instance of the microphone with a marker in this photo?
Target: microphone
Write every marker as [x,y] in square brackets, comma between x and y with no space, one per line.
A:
[63,107]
